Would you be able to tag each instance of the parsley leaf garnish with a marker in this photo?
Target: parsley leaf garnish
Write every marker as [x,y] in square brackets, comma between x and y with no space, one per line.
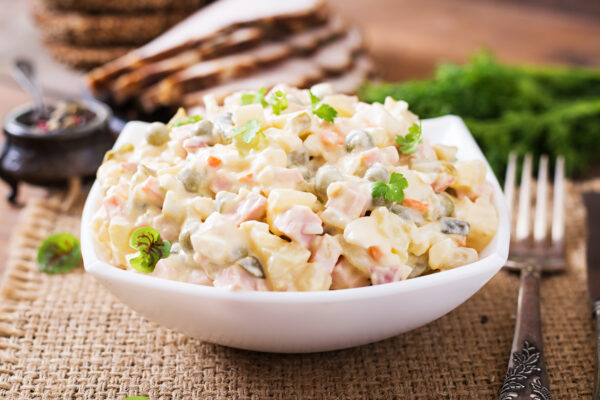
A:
[151,248]
[279,102]
[248,136]
[59,253]
[246,132]
[322,110]
[391,191]
[257,97]
[188,120]
[408,144]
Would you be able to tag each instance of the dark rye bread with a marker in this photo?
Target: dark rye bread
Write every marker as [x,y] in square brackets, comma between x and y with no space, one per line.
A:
[131,83]
[82,29]
[202,74]
[335,56]
[332,59]
[128,6]
[211,22]
[85,57]
[209,68]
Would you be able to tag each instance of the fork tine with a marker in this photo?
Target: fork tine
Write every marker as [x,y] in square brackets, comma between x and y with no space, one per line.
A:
[524,210]
[540,224]
[509,182]
[558,211]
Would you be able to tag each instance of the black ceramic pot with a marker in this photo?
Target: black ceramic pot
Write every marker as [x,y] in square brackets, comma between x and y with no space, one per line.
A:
[52,158]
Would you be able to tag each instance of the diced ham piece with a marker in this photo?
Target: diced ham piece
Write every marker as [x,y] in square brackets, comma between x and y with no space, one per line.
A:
[326,251]
[442,182]
[387,274]
[250,206]
[347,201]
[152,190]
[235,278]
[386,156]
[129,166]
[167,227]
[199,277]
[345,276]
[114,205]
[222,180]
[194,143]
[299,223]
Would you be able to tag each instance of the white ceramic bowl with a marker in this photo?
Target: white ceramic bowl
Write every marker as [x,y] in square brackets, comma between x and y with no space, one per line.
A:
[295,322]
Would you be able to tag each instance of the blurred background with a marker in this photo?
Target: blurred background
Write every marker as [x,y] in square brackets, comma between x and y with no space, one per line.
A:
[406,40]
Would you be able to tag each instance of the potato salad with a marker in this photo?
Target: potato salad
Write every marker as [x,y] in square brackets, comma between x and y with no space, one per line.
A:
[291,190]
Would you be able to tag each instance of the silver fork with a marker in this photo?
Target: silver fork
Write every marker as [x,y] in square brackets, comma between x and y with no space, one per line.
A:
[526,377]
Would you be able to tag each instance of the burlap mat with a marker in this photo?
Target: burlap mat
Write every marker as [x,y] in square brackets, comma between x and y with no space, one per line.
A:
[65,337]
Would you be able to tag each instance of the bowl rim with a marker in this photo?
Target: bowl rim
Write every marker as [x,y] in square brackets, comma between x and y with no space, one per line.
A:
[491,263]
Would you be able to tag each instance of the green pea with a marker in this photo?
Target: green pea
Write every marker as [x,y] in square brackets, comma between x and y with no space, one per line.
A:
[190,179]
[157,134]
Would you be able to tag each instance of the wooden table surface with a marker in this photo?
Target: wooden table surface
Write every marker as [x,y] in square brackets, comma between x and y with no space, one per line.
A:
[406,38]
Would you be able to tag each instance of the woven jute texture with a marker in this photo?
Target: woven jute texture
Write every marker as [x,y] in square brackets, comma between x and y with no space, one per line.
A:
[66,337]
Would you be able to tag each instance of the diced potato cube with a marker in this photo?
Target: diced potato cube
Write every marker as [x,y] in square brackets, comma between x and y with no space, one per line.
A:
[244,114]
[483,219]
[119,231]
[203,206]
[281,200]
[343,104]
[174,207]
[446,254]
[446,153]
[469,173]
[285,263]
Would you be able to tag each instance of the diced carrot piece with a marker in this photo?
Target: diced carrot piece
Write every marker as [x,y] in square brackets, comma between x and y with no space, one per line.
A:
[420,206]
[460,240]
[375,253]
[213,161]
[248,178]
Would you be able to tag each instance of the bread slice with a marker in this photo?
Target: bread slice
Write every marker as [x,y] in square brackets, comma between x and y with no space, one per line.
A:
[210,23]
[294,71]
[127,6]
[350,81]
[82,29]
[81,57]
[205,74]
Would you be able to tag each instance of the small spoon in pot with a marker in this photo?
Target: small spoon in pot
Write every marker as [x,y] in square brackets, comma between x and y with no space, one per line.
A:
[24,74]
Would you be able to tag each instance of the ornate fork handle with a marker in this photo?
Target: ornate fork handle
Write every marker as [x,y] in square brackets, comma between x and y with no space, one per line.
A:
[526,377]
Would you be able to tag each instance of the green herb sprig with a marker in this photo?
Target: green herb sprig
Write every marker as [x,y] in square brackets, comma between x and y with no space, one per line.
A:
[257,97]
[151,248]
[59,253]
[552,110]
[410,143]
[246,132]
[192,119]
[322,110]
[278,102]
[391,191]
